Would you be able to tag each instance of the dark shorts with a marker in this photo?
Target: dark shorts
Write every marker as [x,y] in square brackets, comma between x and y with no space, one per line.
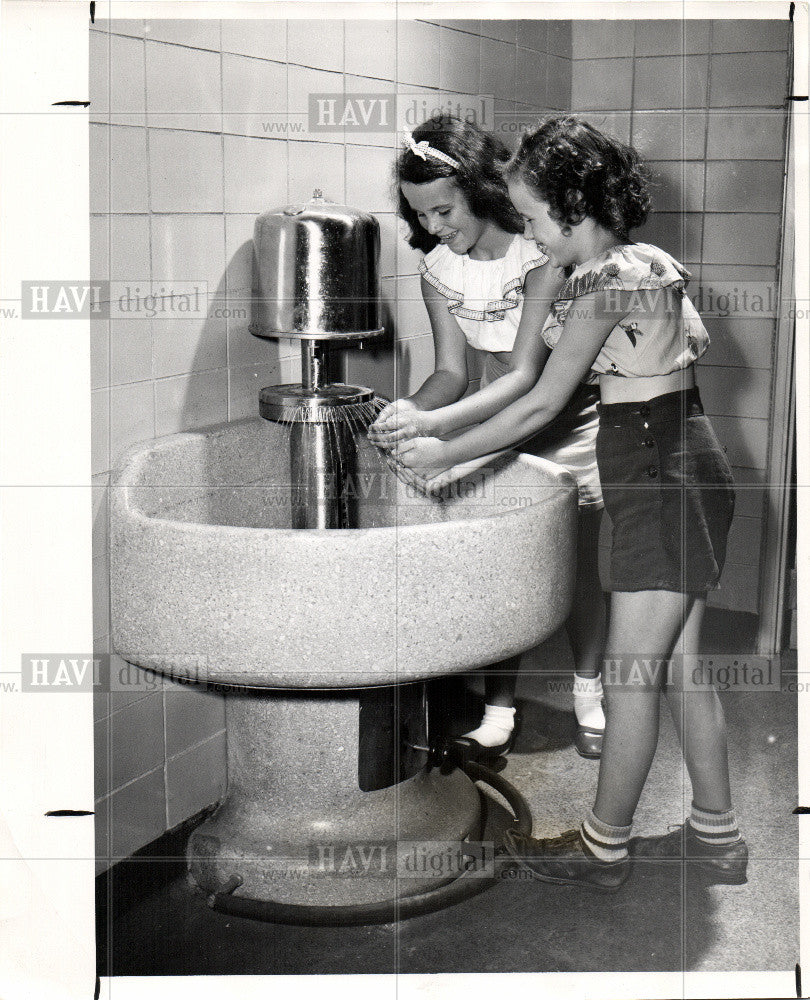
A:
[669,492]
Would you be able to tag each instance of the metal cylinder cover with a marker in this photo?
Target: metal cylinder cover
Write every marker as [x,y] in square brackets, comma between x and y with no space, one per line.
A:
[316,272]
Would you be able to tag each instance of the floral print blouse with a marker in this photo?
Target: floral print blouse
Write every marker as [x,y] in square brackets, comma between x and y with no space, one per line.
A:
[662,331]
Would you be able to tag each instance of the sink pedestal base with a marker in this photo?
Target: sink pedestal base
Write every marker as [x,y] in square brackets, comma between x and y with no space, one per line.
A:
[296,827]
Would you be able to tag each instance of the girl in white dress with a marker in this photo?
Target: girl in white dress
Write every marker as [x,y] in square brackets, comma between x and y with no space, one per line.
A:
[487,288]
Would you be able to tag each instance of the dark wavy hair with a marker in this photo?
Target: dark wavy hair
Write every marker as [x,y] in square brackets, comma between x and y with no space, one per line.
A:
[582,172]
[479,176]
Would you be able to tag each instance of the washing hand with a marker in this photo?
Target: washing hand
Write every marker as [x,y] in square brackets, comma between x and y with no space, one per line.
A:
[401,420]
[424,455]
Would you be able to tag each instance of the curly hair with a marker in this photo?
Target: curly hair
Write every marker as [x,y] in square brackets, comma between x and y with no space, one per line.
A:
[479,176]
[582,172]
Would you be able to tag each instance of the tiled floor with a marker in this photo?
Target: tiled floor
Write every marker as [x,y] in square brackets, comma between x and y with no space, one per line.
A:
[150,922]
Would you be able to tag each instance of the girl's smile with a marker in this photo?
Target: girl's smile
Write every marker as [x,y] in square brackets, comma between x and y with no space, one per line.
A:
[546,232]
[442,210]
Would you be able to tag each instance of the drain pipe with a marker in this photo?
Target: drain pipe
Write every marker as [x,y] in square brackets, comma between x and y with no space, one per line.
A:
[467,885]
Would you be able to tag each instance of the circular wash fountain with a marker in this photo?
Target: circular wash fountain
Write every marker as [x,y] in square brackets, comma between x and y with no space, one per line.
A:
[281,561]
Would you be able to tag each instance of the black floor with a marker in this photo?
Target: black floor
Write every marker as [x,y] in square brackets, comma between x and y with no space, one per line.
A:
[664,919]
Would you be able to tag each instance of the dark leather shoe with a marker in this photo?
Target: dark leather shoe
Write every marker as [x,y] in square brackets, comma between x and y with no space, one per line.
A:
[564,861]
[589,742]
[466,749]
[725,864]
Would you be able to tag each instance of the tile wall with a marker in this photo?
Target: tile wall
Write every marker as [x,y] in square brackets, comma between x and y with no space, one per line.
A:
[193,133]
[196,128]
[704,102]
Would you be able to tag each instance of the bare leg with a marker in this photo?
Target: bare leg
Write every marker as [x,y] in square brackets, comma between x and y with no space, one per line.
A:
[500,682]
[643,628]
[586,622]
[699,721]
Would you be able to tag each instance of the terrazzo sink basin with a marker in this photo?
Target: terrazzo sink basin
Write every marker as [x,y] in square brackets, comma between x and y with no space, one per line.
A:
[208,578]
[320,639]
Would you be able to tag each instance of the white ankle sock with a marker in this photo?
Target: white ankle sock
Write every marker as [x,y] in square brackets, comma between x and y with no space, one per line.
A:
[497,724]
[588,701]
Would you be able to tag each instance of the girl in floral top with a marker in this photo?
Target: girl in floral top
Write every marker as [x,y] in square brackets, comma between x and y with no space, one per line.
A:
[622,318]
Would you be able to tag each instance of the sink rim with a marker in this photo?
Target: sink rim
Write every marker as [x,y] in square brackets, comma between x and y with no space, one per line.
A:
[133,460]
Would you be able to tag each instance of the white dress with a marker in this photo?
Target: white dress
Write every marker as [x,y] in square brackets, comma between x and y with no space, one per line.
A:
[486,298]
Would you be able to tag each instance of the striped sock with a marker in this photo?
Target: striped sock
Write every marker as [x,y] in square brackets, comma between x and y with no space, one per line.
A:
[608,843]
[714,827]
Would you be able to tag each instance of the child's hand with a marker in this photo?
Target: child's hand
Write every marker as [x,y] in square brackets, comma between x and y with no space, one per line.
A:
[399,421]
[425,455]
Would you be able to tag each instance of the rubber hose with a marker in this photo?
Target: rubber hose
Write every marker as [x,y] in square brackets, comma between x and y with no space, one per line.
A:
[467,885]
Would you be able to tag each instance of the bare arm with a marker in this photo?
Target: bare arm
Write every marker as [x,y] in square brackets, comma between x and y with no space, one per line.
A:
[450,379]
[585,332]
[529,356]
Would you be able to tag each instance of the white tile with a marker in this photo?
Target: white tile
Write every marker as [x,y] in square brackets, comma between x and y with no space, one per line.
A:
[408,258]
[738,591]
[117,87]
[745,440]
[195,779]
[371,48]
[243,347]
[197,32]
[132,417]
[183,88]
[255,174]
[506,31]
[677,186]
[533,34]
[559,39]
[498,69]
[411,314]
[247,381]
[254,94]
[119,248]
[315,165]
[735,392]
[185,171]
[389,243]
[189,248]
[418,53]
[99,353]
[369,175]
[558,83]
[265,38]
[187,345]
[137,814]
[601,84]
[744,343]
[316,43]
[128,177]
[191,401]
[530,78]
[99,431]
[130,350]
[239,253]
[301,83]
[593,39]
[378,112]
[744,539]
[459,61]
[99,168]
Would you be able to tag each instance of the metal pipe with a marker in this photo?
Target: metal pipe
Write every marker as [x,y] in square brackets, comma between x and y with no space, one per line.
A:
[322,460]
